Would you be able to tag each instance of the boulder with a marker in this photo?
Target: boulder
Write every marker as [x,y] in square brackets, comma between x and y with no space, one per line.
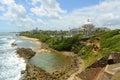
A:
[23,72]
[13,44]
[26,53]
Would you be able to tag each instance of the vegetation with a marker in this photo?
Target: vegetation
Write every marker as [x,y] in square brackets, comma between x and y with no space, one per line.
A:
[42,37]
[89,48]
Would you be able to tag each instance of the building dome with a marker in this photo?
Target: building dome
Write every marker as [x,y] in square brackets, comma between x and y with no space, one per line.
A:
[88,24]
[88,27]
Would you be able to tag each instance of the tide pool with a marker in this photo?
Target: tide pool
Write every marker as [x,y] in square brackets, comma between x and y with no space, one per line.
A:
[50,61]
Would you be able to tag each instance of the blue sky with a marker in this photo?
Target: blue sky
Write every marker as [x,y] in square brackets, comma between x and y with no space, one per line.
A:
[70,5]
[19,15]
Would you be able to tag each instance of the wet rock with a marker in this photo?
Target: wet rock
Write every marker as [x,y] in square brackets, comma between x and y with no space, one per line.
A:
[36,73]
[26,53]
[13,44]
[23,72]
[33,72]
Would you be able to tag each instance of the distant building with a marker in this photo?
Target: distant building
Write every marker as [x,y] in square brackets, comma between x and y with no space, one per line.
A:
[87,28]
[74,31]
[36,30]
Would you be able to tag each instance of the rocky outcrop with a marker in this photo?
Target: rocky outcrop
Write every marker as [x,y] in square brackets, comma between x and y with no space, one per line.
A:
[111,58]
[13,44]
[89,73]
[106,65]
[26,53]
[33,72]
[65,72]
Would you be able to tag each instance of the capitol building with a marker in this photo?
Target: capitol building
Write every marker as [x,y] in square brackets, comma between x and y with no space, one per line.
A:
[87,28]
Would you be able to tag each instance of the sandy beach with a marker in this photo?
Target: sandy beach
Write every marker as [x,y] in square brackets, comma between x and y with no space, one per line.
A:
[44,48]
[36,41]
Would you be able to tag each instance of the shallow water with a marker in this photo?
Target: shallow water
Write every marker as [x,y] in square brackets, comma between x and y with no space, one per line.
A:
[50,61]
[24,43]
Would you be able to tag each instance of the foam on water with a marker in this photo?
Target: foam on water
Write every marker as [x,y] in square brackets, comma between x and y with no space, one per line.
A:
[10,64]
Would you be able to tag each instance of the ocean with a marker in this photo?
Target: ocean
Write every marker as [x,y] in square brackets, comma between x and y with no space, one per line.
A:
[11,64]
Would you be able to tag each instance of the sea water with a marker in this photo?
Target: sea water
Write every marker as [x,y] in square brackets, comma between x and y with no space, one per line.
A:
[50,62]
[10,63]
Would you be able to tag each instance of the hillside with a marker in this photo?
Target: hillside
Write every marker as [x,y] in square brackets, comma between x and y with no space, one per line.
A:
[100,45]
[88,48]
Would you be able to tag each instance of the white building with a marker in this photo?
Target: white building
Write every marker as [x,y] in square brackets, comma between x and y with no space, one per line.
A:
[88,27]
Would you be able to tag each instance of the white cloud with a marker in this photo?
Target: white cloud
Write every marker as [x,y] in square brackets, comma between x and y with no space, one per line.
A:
[2,8]
[105,14]
[48,9]
[16,14]
[7,2]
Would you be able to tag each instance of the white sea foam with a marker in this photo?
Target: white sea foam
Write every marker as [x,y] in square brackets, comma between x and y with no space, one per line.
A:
[10,64]
[19,41]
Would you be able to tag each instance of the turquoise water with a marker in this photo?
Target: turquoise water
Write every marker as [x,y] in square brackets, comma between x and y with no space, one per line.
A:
[50,61]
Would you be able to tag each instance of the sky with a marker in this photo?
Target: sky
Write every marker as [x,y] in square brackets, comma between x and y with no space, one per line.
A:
[22,15]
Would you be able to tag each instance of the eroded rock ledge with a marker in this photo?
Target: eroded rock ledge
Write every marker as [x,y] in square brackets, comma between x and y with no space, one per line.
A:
[26,53]
[33,72]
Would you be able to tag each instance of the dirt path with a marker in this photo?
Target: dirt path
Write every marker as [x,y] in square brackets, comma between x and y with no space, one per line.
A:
[73,76]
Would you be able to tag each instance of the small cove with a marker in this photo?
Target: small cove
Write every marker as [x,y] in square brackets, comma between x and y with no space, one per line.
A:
[50,61]
[47,61]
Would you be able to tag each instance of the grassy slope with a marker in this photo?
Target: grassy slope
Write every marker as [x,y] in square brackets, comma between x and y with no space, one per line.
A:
[110,42]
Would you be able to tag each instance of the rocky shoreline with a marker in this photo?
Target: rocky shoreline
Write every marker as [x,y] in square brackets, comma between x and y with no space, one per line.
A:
[33,72]
[26,53]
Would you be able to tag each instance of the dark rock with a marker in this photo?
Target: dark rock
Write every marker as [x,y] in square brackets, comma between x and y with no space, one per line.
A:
[23,72]
[13,44]
[25,53]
